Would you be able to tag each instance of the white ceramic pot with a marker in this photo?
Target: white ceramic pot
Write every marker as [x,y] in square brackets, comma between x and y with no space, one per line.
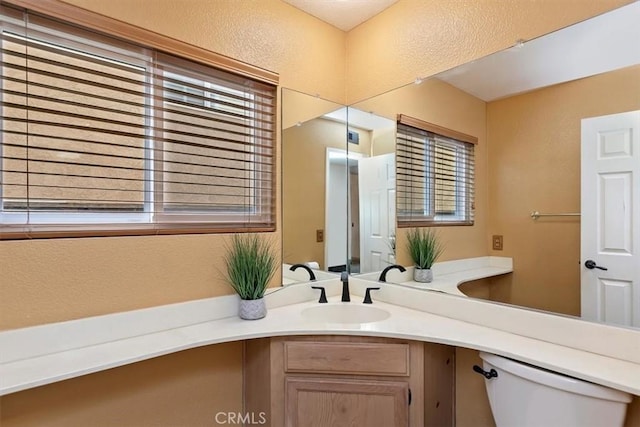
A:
[422,275]
[252,309]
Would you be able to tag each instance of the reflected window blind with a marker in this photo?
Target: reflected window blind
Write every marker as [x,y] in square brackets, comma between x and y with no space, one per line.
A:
[435,175]
[98,133]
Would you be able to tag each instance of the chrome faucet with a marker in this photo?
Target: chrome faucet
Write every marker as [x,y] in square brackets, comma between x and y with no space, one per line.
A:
[312,276]
[383,275]
[344,277]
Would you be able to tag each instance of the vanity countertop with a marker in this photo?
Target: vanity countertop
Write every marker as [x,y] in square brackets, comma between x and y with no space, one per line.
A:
[449,275]
[44,354]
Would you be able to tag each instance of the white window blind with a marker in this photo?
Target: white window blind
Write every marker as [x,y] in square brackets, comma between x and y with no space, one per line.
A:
[435,175]
[100,134]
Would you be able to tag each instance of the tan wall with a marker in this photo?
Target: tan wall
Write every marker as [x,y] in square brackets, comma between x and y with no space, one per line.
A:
[303,180]
[308,54]
[62,279]
[181,389]
[383,141]
[45,281]
[66,279]
[534,163]
[298,107]
[418,38]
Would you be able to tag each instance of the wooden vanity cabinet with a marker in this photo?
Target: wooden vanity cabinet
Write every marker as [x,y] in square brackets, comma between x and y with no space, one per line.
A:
[335,381]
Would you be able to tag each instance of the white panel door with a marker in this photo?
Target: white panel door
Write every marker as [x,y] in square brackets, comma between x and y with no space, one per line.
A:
[336,209]
[377,188]
[610,225]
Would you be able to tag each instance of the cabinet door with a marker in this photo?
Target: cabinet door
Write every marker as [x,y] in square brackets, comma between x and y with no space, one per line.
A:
[323,402]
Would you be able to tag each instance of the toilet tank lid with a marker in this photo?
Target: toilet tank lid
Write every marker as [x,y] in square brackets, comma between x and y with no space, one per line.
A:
[554,379]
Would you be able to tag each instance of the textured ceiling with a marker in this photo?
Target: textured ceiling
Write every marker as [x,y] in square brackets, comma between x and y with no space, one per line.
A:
[343,14]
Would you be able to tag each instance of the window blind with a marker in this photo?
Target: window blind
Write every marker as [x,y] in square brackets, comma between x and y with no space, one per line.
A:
[101,134]
[435,175]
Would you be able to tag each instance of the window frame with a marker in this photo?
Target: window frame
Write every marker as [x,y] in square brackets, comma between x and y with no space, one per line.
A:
[65,224]
[463,146]
[71,218]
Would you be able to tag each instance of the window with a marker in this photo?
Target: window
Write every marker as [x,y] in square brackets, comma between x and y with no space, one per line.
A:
[100,134]
[435,175]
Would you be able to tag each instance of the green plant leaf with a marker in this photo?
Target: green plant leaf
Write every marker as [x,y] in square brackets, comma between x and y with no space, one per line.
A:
[424,246]
[250,264]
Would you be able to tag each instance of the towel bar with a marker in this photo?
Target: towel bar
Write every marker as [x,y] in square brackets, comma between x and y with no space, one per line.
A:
[536,214]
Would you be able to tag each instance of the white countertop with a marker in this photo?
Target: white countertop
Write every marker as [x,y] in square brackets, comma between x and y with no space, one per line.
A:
[40,355]
[449,275]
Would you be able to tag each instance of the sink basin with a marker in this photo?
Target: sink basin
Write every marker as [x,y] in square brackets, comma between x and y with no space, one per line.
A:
[345,313]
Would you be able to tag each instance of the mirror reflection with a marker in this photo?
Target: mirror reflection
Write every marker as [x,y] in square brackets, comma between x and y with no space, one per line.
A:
[527,105]
[372,191]
[310,143]
[333,158]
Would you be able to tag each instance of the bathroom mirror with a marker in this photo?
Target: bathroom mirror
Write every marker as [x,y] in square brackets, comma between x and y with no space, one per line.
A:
[335,207]
[372,188]
[525,105]
[526,115]
[312,143]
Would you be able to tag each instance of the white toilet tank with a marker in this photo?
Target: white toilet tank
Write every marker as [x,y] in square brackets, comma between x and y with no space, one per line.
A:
[526,396]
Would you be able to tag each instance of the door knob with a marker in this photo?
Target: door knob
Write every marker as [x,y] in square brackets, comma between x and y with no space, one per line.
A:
[591,264]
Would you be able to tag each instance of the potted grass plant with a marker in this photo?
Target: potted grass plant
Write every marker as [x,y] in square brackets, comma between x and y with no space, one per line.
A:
[250,264]
[424,248]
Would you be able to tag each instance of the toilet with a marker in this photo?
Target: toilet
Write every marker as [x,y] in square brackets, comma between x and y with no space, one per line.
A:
[526,396]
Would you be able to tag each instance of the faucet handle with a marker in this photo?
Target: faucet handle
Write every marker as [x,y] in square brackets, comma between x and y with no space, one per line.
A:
[323,294]
[367,295]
